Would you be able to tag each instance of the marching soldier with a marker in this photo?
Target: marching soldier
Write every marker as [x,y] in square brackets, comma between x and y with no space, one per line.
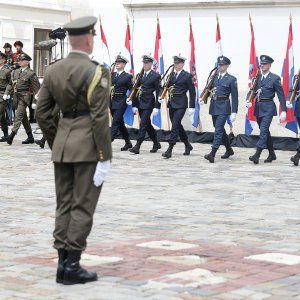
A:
[220,108]
[121,83]
[265,108]
[4,81]
[181,83]
[146,103]
[22,80]
[295,159]
[81,144]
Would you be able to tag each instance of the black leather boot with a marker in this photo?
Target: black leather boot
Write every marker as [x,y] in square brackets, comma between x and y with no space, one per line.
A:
[10,138]
[29,140]
[127,146]
[74,273]
[229,152]
[62,261]
[136,148]
[255,158]
[168,153]
[188,148]
[4,138]
[41,142]
[271,157]
[156,147]
[211,156]
[295,159]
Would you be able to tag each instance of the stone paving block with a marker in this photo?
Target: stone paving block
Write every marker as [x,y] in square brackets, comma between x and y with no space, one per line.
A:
[281,258]
[167,245]
[189,260]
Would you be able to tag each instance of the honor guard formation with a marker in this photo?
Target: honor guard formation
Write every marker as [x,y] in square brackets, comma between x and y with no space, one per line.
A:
[71,107]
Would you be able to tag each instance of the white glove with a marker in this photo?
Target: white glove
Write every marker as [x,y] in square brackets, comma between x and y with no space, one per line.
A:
[289,104]
[248,104]
[161,100]
[128,101]
[191,111]
[36,97]
[33,106]
[282,116]
[232,117]
[101,171]
[134,110]
[5,97]
[200,101]
[155,112]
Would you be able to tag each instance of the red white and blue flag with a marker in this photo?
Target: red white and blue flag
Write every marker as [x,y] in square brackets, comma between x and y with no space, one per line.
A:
[105,51]
[193,71]
[128,116]
[158,67]
[250,121]
[287,80]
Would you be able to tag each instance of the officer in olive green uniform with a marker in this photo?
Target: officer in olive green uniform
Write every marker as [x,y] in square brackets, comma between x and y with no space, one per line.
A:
[4,81]
[21,81]
[81,144]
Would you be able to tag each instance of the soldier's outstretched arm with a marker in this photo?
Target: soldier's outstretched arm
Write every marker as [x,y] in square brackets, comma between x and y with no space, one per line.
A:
[234,96]
[280,93]
[44,115]
[192,92]
[98,105]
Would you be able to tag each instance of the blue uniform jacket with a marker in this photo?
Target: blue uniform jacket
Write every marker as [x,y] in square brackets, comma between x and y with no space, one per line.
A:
[121,85]
[267,90]
[182,84]
[148,86]
[222,89]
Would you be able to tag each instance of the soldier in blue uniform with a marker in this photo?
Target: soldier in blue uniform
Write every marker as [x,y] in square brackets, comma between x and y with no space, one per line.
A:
[181,83]
[121,83]
[220,108]
[295,159]
[265,108]
[146,103]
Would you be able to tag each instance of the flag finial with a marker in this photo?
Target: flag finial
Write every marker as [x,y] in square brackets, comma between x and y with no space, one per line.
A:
[190,18]
[157,18]
[290,18]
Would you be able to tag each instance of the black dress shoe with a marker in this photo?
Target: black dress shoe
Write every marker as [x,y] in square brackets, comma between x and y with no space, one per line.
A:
[295,159]
[270,158]
[227,154]
[76,274]
[29,140]
[3,139]
[155,148]
[254,159]
[188,149]
[127,146]
[209,157]
[168,153]
[10,138]
[41,143]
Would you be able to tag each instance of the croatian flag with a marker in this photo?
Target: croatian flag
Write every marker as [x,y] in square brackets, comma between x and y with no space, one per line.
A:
[287,81]
[105,51]
[195,117]
[158,67]
[128,116]
[250,120]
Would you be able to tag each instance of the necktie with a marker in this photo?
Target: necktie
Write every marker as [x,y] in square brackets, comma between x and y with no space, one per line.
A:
[117,75]
[175,75]
[262,79]
[145,75]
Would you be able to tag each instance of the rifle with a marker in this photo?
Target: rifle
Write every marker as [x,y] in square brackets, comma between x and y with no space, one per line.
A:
[168,81]
[209,83]
[294,88]
[135,87]
[254,85]
[112,70]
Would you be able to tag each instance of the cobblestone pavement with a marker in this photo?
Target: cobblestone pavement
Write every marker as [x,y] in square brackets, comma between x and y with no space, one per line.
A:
[164,229]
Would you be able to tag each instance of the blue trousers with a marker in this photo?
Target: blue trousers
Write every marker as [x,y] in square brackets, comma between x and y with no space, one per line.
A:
[118,124]
[220,136]
[176,116]
[265,139]
[146,126]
